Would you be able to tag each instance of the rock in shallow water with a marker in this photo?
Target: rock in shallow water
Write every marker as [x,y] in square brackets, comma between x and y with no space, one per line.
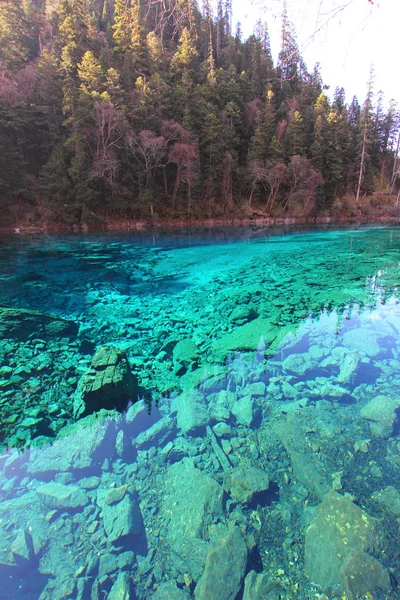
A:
[170,591]
[83,444]
[192,502]
[60,496]
[363,573]
[108,383]
[245,481]
[224,569]
[381,414]
[23,324]
[338,528]
[120,519]
[259,586]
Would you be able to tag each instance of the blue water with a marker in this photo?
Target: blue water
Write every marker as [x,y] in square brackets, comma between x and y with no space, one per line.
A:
[261,415]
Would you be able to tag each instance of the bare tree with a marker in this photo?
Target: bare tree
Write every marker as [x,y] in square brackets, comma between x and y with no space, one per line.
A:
[151,148]
[111,129]
[275,176]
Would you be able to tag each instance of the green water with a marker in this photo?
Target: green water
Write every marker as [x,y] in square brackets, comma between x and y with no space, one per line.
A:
[255,450]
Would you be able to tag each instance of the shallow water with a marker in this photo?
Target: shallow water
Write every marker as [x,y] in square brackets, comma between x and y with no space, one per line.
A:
[261,459]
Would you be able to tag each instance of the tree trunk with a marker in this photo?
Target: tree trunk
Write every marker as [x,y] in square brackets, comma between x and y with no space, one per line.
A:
[362,165]
[395,173]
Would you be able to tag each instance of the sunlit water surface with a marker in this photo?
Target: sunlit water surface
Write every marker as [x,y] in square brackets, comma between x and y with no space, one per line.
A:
[255,451]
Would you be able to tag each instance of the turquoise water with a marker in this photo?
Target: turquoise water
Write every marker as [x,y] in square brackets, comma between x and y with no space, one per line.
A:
[209,415]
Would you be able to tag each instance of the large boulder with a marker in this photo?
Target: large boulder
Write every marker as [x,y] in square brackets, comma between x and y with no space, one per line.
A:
[338,529]
[109,383]
[24,324]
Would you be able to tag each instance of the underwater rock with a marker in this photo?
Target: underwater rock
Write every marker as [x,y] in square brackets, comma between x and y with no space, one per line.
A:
[191,411]
[156,434]
[220,454]
[23,324]
[363,574]
[22,548]
[170,591]
[121,519]
[192,500]
[364,341]
[304,468]
[109,383]
[94,436]
[251,336]
[349,367]
[259,586]
[338,528]
[381,414]
[222,429]
[389,499]
[224,569]
[121,590]
[243,410]
[297,364]
[184,354]
[189,556]
[245,481]
[243,313]
[59,496]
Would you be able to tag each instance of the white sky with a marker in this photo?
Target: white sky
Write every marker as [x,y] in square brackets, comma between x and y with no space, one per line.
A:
[345,43]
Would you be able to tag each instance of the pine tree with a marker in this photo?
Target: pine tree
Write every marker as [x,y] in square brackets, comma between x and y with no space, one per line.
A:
[365,171]
[90,74]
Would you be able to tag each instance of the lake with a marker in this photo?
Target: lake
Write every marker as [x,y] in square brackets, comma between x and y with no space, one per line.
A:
[200,414]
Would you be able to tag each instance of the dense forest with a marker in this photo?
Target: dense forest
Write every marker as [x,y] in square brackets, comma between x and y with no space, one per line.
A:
[155,108]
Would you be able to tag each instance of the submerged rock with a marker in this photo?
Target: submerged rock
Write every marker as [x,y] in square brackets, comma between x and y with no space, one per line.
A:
[83,444]
[224,569]
[122,518]
[381,414]
[243,410]
[389,499]
[121,590]
[60,496]
[338,528]
[170,591]
[259,586]
[251,336]
[191,411]
[189,556]
[192,501]
[22,548]
[364,341]
[23,324]
[245,481]
[364,574]
[185,354]
[297,364]
[108,383]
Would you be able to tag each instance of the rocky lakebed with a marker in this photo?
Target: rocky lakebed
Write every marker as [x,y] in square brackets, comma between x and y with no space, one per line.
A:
[208,416]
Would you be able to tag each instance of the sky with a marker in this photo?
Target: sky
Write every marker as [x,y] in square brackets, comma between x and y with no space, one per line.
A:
[345,36]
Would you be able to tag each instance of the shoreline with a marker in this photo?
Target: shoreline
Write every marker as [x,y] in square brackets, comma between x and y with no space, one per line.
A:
[211,223]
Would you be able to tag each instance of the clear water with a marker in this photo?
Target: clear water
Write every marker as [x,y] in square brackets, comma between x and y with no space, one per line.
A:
[262,458]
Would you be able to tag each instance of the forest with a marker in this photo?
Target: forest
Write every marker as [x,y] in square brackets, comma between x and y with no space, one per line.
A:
[160,109]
